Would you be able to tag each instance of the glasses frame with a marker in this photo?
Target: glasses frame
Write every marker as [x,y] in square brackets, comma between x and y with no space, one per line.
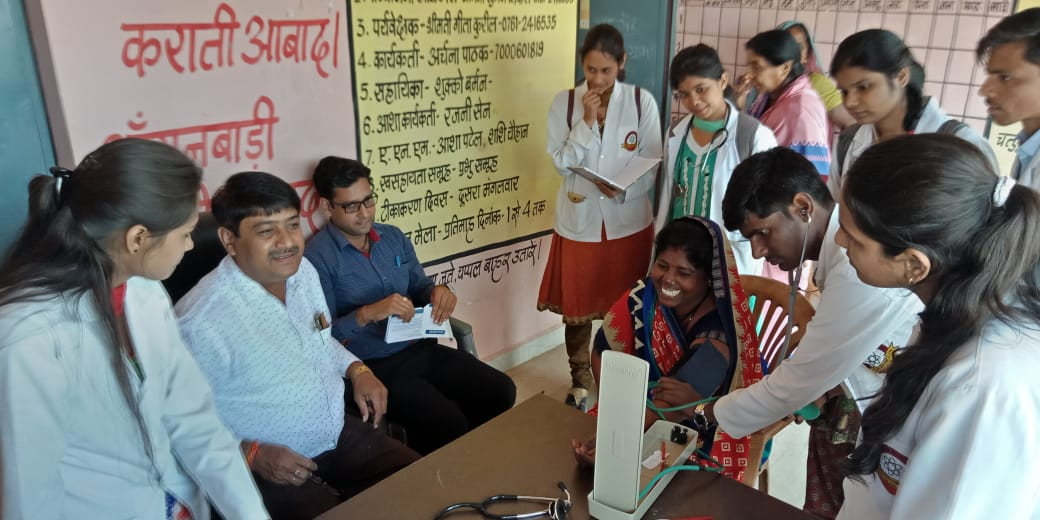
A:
[368,202]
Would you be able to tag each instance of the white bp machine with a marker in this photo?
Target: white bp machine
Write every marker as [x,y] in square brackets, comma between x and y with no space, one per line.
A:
[627,459]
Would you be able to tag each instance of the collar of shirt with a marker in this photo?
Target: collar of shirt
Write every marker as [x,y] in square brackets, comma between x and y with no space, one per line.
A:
[1028,146]
[342,243]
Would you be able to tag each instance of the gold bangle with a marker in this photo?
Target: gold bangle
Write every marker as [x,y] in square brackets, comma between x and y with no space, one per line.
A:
[361,369]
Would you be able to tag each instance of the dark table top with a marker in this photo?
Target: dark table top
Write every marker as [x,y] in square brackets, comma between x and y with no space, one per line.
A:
[526,451]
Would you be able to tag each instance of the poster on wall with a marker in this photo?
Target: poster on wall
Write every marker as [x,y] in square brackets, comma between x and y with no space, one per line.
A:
[452,98]
[237,85]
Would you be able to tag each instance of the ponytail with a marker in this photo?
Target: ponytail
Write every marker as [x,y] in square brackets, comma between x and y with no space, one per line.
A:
[74,215]
[915,102]
[935,193]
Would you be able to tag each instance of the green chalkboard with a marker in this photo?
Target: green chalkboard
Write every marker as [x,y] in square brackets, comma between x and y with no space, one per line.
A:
[25,141]
[648,29]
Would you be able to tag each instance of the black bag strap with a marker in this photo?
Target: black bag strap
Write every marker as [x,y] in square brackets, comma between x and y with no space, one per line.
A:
[844,142]
[747,127]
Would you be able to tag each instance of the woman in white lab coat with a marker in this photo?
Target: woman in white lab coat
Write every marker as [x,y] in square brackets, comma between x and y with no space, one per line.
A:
[883,91]
[953,432]
[602,238]
[705,146]
[103,412]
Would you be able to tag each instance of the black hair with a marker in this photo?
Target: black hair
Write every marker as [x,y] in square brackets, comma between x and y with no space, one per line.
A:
[934,193]
[767,182]
[699,60]
[882,51]
[778,47]
[1022,27]
[689,236]
[251,194]
[608,40]
[338,172]
[63,248]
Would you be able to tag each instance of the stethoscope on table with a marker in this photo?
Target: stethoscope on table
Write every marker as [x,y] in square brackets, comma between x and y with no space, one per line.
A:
[557,507]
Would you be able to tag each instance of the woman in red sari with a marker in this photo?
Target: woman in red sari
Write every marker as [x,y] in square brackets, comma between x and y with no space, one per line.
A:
[700,324]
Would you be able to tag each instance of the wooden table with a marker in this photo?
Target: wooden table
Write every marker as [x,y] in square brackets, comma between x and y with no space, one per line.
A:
[525,451]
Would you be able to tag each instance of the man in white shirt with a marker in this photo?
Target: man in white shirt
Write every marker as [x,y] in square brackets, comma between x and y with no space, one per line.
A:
[779,202]
[259,329]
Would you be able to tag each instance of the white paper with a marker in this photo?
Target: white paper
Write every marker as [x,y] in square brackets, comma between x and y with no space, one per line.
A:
[421,326]
[636,168]
[654,460]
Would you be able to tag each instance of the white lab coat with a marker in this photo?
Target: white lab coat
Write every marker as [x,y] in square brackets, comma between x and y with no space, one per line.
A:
[70,447]
[580,145]
[932,118]
[726,160]
[968,448]
[852,320]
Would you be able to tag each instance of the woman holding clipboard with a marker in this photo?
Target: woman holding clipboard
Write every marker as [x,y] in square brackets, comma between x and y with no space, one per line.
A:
[602,237]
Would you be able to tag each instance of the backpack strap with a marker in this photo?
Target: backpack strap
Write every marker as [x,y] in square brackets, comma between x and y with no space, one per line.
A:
[639,107]
[844,142]
[747,127]
[951,127]
[570,107]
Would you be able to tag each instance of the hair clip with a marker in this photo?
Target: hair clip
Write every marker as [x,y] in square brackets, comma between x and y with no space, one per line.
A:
[60,175]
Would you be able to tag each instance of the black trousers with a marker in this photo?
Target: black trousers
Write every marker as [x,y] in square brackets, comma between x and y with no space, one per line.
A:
[439,393]
[362,457]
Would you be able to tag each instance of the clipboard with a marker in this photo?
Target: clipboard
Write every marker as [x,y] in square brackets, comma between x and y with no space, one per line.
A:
[635,169]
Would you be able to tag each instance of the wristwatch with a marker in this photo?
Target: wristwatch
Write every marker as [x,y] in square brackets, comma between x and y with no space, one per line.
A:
[700,420]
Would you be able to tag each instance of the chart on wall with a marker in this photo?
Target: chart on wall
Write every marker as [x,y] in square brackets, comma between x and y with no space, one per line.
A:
[941,34]
[452,99]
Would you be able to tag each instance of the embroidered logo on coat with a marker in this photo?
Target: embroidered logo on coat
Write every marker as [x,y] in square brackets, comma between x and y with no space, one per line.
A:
[890,468]
[631,140]
[880,360]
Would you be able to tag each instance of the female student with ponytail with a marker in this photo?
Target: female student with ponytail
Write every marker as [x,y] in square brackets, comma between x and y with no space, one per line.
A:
[103,412]
[882,87]
[705,146]
[953,431]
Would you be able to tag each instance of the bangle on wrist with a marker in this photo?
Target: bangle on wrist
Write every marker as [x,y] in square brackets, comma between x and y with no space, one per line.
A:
[361,369]
[254,448]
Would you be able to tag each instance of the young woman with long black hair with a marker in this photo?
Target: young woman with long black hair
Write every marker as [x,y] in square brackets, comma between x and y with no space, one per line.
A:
[953,431]
[103,412]
[883,86]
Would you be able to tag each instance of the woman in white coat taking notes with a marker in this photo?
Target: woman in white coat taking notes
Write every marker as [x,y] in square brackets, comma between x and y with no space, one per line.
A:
[705,146]
[602,237]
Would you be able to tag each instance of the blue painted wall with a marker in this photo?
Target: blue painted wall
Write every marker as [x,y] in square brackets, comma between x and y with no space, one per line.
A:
[25,142]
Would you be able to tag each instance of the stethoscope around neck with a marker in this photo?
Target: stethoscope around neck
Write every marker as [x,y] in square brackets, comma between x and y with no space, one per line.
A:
[678,188]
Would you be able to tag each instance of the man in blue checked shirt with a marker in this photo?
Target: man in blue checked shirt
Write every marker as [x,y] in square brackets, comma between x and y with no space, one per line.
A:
[369,272]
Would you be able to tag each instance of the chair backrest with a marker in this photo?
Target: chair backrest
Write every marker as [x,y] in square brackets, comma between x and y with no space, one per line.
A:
[768,299]
[203,258]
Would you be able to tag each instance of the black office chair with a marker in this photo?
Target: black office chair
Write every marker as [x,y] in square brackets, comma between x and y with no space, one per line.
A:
[208,253]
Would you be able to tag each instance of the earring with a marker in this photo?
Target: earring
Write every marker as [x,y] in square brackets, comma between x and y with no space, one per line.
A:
[910,281]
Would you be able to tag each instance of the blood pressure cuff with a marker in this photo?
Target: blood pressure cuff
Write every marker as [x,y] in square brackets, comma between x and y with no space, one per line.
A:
[705,369]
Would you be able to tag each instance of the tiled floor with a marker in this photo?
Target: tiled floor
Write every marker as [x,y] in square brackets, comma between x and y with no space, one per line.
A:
[548,374]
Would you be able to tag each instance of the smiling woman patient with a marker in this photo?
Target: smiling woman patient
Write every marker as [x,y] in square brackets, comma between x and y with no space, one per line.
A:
[686,321]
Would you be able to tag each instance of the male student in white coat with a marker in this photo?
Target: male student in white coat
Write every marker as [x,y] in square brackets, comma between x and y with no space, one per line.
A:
[779,202]
[1011,51]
